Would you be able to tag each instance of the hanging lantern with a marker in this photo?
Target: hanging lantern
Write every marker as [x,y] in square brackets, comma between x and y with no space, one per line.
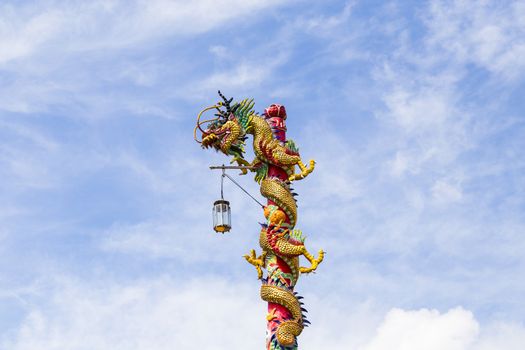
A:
[221,216]
[221,208]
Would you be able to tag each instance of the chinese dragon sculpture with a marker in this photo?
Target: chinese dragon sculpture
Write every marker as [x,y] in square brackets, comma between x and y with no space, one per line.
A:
[274,166]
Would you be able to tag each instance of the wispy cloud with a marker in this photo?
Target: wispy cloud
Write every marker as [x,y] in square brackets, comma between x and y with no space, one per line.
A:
[77,26]
[412,195]
[50,51]
[489,35]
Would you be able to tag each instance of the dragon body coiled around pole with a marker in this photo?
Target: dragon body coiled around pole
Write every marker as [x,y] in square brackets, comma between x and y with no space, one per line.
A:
[276,159]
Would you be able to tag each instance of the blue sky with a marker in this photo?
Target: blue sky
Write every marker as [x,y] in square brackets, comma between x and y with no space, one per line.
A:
[413,111]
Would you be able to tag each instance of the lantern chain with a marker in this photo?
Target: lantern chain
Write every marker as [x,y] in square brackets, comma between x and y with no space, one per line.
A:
[235,182]
[222,183]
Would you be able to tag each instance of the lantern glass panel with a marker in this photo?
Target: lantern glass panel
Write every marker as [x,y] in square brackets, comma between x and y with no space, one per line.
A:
[226,218]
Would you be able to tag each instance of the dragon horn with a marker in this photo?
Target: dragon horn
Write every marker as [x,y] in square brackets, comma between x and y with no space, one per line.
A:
[226,102]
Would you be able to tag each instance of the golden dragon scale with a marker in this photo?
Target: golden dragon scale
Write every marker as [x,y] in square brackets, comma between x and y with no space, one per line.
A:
[276,159]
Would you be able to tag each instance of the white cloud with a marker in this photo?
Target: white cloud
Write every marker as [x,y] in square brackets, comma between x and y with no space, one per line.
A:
[172,238]
[325,25]
[428,128]
[242,75]
[332,179]
[245,75]
[22,37]
[419,109]
[456,329]
[423,82]
[399,164]
[501,335]
[444,192]
[490,34]
[220,51]
[162,240]
[211,313]
[190,188]
[25,157]
[152,314]
[425,329]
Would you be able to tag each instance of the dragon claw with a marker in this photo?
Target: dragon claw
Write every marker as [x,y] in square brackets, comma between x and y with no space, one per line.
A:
[314,262]
[305,171]
[258,262]
[241,162]
[271,315]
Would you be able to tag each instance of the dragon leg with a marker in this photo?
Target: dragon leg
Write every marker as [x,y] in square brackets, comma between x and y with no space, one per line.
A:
[280,156]
[313,261]
[305,171]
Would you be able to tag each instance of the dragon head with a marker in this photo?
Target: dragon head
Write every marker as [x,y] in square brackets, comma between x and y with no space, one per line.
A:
[223,133]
